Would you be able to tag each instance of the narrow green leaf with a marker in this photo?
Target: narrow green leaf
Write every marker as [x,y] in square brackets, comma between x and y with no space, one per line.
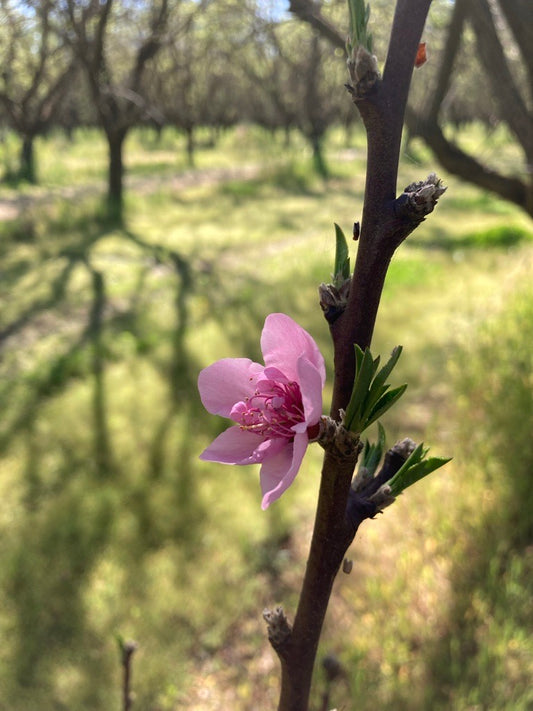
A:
[415,473]
[342,255]
[384,403]
[363,378]
[358,358]
[374,395]
[379,387]
[387,369]
[416,456]
[376,450]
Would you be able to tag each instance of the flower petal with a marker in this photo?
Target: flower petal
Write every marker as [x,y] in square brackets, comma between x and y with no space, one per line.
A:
[278,472]
[235,446]
[226,382]
[283,341]
[311,385]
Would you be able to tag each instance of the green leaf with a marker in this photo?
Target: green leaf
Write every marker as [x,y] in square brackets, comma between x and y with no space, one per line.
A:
[359,17]
[387,369]
[365,370]
[415,473]
[379,387]
[384,403]
[372,453]
[342,256]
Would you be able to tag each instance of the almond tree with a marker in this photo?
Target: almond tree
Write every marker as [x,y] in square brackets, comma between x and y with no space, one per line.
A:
[37,69]
[193,81]
[295,79]
[114,42]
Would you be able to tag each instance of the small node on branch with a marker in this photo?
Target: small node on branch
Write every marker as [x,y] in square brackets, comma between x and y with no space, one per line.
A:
[404,448]
[364,73]
[383,497]
[278,628]
[333,299]
[336,439]
[419,199]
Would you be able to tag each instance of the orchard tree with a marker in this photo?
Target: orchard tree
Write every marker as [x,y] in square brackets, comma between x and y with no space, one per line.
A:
[192,81]
[36,71]
[114,41]
[295,77]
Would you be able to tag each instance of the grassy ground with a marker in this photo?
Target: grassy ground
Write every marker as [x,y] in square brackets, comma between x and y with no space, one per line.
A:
[110,525]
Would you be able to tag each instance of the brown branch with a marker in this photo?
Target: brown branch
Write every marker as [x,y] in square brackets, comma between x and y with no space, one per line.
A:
[309,12]
[519,16]
[381,230]
[451,48]
[386,222]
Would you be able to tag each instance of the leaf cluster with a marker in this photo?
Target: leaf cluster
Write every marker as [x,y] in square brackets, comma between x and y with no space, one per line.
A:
[359,35]
[371,396]
[415,467]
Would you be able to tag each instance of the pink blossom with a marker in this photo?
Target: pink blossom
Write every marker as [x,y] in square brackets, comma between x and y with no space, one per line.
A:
[277,406]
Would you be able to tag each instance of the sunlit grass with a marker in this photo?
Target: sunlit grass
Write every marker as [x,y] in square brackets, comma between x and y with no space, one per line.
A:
[112,525]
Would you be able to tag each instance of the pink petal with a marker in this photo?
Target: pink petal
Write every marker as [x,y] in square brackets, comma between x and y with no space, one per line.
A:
[235,446]
[283,342]
[311,385]
[227,382]
[278,472]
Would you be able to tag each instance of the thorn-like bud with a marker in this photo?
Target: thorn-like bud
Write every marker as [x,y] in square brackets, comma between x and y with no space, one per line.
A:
[333,299]
[404,448]
[278,628]
[419,199]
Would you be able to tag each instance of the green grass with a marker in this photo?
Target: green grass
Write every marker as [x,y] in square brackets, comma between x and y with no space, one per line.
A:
[111,525]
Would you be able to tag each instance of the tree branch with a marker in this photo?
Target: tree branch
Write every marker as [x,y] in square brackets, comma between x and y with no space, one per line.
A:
[519,16]
[512,108]
[459,163]
[386,222]
[451,47]
[381,231]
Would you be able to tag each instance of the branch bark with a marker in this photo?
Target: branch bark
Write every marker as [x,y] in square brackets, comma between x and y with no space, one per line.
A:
[386,222]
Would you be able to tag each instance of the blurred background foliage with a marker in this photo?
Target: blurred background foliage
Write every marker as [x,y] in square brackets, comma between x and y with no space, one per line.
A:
[110,525]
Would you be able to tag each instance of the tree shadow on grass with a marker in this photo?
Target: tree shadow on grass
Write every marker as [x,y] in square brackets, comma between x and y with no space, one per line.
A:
[499,237]
[84,497]
[74,482]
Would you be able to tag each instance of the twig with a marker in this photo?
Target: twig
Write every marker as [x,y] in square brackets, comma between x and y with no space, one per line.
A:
[127,650]
[386,223]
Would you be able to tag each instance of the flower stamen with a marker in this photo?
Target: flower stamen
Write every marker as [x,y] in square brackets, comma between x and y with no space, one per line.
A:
[272,410]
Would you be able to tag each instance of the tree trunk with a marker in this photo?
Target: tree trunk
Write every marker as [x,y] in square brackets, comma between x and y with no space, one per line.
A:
[27,159]
[115,140]
[319,162]
[189,133]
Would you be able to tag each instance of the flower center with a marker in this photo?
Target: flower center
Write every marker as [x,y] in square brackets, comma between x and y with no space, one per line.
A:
[272,410]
